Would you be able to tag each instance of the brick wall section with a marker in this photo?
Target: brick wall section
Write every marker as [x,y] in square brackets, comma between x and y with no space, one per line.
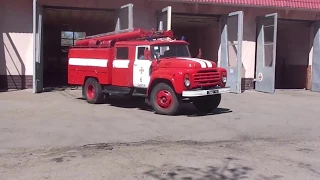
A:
[15,82]
[309,77]
[247,84]
[25,82]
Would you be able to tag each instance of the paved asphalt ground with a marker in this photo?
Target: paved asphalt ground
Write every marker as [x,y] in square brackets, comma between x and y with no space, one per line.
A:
[57,135]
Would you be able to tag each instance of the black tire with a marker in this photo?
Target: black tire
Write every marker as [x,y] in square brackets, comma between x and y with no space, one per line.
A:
[171,108]
[207,104]
[83,92]
[97,96]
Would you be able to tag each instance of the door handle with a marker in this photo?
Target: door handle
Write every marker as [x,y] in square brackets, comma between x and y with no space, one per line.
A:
[135,64]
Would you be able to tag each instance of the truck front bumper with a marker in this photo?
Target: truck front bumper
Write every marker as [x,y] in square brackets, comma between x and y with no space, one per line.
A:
[199,93]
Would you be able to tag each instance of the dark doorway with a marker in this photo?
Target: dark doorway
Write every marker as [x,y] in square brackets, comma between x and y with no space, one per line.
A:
[201,31]
[61,28]
[292,57]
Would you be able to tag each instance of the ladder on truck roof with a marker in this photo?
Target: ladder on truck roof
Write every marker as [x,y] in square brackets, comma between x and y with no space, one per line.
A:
[108,34]
[123,35]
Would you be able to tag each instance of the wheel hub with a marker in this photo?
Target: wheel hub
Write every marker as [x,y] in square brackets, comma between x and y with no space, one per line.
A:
[90,91]
[164,99]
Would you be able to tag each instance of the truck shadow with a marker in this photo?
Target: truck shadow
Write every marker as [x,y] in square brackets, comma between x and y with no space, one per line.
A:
[187,109]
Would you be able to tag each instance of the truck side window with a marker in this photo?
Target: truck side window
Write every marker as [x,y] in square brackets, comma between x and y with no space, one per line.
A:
[140,53]
[122,53]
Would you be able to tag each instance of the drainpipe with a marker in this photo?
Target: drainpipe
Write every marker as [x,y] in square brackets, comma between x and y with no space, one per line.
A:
[34,45]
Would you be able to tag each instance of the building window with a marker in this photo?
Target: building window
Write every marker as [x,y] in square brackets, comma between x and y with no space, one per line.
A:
[69,38]
[122,53]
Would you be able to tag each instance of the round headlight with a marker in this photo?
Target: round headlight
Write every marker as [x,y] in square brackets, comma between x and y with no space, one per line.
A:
[187,82]
[224,79]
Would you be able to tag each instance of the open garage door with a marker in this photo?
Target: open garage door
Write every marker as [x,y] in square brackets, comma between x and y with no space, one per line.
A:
[124,17]
[62,27]
[316,59]
[201,31]
[164,19]
[266,53]
[231,48]
[38,72]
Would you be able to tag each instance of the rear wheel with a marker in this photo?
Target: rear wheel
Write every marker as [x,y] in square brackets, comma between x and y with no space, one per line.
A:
[164,100]
[207,104]
[83,91]
[93,91]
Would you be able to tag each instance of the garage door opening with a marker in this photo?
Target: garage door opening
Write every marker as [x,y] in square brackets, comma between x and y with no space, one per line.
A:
[292,56]
[201,31]
[61,29]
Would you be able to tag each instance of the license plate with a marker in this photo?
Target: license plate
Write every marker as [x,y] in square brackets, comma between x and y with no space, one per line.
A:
[212,92]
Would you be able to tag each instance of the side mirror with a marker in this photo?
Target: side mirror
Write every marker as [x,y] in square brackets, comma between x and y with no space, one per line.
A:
[157,57]
[146,54]
[199,54]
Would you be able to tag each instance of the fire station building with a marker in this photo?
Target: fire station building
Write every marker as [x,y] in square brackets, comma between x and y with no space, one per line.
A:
[264,44]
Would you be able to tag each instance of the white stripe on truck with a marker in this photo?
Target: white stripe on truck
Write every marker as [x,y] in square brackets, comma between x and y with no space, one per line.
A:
[204,63]
[88,62]
[120,63]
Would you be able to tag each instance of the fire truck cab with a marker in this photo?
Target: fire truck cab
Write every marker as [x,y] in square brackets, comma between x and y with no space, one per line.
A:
[145,63]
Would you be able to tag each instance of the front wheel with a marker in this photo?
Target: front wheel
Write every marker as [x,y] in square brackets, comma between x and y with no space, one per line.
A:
[208,103]
[164,100]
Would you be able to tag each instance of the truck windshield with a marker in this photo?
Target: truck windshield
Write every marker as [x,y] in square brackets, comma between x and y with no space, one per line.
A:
[170,50]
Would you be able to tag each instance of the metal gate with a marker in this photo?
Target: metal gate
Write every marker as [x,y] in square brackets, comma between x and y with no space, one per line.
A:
[266,53]
[164,19]
[124,18]
[316,59]
[38,53]
[231,48]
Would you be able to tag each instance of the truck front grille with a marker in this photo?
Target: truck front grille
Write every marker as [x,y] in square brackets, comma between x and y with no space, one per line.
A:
[206,78]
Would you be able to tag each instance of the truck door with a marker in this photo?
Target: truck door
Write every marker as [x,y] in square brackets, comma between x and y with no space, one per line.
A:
[266,53]
[164,19]
[231,48]
[141,68]
[121,75]
[316,59]
[124,18]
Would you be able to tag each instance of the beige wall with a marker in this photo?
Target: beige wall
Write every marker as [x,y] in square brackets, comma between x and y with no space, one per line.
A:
[16,37]
[16,26]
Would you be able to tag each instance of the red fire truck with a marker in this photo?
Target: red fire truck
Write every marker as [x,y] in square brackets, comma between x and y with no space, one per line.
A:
[145,63]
